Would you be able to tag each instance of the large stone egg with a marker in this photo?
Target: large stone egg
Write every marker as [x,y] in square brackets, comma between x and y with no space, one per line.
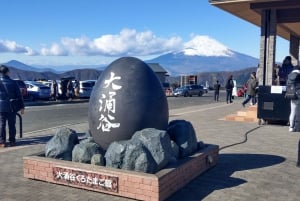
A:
[126,98]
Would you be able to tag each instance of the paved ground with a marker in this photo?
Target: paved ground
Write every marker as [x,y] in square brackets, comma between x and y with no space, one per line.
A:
[263,167]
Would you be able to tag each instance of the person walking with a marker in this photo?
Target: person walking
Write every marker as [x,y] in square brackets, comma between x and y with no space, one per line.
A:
[217,90]
[70,90]
[229,87]
[9,90]
[252,83]
[76,86]
[294,117]
[54,90]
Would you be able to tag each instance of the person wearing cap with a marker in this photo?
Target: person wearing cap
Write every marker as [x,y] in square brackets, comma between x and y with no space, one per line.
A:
[9,90]
[252,83]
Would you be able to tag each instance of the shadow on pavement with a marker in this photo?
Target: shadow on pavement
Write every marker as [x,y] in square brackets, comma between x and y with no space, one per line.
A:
[33,140]
[42,139]
[219,177]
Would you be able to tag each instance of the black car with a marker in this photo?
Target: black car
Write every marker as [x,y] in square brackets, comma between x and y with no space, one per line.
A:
[189,90]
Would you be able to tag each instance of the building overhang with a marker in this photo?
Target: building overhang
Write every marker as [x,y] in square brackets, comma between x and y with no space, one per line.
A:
[287,11]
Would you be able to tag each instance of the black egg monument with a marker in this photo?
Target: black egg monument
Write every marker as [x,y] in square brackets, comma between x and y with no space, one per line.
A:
[127,97]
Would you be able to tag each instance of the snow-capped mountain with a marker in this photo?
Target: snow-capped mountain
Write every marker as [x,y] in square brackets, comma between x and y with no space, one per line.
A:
[204,54]
[205,46]
[201,54]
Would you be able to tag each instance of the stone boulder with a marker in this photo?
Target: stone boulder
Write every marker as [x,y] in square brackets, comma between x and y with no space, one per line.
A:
[183,134]
[158,143]
[130,155]
[60,146]
[98,159]
[175,149]
[85,150]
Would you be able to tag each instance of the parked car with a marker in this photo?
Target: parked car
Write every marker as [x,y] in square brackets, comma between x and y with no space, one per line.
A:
[85,88]
[23,88]
[37,90]
[189,90]
[205,89]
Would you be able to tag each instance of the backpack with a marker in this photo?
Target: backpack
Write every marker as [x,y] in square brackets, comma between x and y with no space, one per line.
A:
[229,84]
[291,91]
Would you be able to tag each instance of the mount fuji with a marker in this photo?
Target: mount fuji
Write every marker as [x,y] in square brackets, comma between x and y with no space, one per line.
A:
[204,54]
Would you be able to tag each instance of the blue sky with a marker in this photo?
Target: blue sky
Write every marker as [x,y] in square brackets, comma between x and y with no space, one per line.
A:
[96,32]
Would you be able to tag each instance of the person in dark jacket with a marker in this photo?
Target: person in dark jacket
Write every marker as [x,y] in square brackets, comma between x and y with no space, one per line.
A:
[285,69]
[54,90]
[9,90]
[217,90]
[229,87]
[252,83]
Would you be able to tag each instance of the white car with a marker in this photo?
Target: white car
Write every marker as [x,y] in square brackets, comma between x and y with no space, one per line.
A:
[36,90]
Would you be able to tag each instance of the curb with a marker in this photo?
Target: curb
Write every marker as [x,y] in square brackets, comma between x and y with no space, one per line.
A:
[41,103]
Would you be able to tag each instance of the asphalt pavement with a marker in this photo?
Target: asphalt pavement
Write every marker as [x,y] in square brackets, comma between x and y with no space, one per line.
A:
[255,162]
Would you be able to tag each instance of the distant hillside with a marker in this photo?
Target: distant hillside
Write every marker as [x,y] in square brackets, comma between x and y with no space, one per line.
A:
[241,77]
[20,65]
[83,74]
[180,64]
[80,74]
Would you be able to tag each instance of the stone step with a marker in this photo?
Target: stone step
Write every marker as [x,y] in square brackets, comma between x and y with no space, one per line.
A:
[248,114]
[234,117]
[245,113]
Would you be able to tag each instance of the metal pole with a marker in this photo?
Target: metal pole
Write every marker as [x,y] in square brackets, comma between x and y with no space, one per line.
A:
[298,162]
[21,126]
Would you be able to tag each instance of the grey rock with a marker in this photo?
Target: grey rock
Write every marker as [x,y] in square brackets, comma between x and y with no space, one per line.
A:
[87,140]
[84,151]
[183,134]
[158,143]
[130,155]
[60,146]
[98,159]
[115,153]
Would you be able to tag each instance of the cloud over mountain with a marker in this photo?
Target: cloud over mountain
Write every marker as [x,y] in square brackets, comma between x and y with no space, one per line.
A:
[128,42]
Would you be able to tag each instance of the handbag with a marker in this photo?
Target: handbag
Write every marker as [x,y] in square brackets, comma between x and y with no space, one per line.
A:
[15,105]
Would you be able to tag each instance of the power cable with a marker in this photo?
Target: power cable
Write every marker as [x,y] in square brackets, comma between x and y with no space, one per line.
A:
[244,141]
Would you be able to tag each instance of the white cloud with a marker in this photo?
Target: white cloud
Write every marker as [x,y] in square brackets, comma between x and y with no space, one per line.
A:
[7,46]
[127,42]
[54,50]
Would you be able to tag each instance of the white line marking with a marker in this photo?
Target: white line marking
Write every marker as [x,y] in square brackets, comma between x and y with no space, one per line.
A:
[200,110]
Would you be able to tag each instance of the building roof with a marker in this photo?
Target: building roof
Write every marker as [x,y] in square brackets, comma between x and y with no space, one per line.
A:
[288,13]
[157,68]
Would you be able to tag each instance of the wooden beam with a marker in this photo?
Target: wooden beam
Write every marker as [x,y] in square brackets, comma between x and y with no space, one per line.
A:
[287,4]
[288,15]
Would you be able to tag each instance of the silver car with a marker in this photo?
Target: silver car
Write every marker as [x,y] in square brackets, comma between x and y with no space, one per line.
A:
[85,88]
[36,90]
